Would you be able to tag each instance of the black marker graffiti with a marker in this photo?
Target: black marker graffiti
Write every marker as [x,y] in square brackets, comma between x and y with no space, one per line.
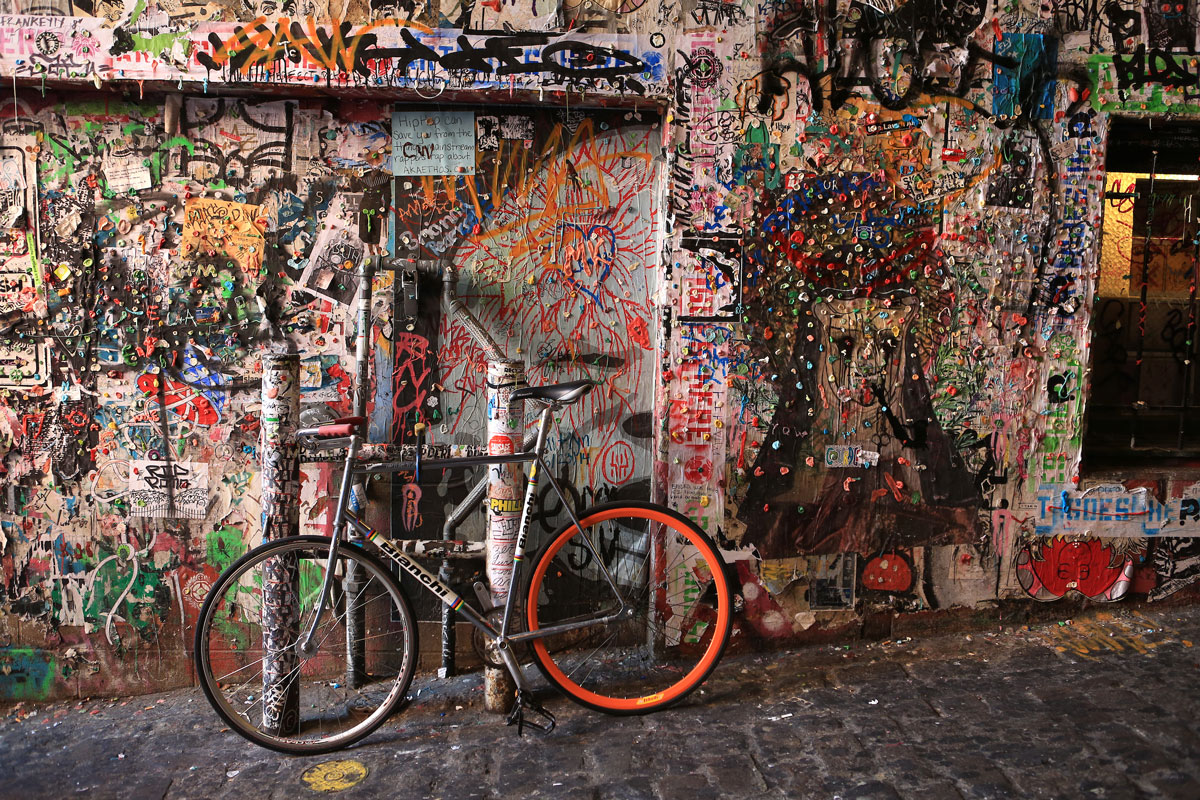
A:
[275,47]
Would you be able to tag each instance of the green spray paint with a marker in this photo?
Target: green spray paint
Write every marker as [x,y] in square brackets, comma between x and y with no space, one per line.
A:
[26,673]
[154,45]
[224,546]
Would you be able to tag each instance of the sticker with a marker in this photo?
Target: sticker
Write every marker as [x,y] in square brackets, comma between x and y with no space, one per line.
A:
[335,776]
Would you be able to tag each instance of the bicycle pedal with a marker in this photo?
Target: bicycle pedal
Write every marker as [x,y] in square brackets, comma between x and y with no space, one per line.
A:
[543,726]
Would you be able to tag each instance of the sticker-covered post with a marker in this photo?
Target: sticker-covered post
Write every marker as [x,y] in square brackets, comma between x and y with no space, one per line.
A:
[353,580]
[505,432]
[280,612]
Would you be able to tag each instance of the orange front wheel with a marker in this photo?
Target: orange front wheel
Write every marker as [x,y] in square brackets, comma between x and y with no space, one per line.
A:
[672,607]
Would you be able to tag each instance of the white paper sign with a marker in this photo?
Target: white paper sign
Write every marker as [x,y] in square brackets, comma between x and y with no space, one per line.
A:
[433,143]
[176,489]
[124,174]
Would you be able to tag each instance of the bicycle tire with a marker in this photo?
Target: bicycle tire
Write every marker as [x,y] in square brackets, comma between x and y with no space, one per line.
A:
[638,671]
[331,712]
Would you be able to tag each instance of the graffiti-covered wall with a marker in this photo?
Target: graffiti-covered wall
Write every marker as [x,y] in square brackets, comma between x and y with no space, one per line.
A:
[834,261]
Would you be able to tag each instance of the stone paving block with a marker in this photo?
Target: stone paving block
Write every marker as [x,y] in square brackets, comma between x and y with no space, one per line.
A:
[948,700]
[827,698]
[798,763]
[685,787]
[987,786]
[870,790]
[933,790]
[1132,754]
[923,729]
[621,757]
[1108,785]
[941,672]
[454,790]
[778,743]
[793,780]
[680,762]
[973,775]
[909,726]
[864,675]
[905,704]
[735,771]
[518,776]
[788,715]
[1017,755]
[1120,726]
[633,787]
[1040,779]
[1175,784]
[904,766]
[875,729]
[845,755]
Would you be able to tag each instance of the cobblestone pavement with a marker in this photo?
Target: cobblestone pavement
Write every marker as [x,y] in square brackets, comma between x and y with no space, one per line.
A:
[1106,706]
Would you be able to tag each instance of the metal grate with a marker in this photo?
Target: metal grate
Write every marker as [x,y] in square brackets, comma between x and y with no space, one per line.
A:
[1144,385]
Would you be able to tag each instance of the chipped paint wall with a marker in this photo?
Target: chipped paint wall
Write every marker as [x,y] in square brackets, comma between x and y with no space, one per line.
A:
[835,262]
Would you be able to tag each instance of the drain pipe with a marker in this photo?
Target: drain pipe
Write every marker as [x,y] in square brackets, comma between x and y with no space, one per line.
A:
[505,434]
[454,308]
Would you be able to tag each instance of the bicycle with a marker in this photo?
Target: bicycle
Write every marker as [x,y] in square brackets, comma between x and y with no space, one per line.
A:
[627,609]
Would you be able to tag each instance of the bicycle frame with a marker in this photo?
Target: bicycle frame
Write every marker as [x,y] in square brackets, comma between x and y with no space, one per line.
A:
[501,638]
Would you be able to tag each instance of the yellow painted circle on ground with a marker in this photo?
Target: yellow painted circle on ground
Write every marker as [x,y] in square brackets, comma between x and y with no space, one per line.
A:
[334,776]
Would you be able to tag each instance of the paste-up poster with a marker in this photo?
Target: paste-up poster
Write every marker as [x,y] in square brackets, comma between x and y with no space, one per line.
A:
[695,501]
[832,580]
[687,580]
[433,143]
[127,174]
[1111,510]
[172,489]
[232,231]
[26,361]
[331,271]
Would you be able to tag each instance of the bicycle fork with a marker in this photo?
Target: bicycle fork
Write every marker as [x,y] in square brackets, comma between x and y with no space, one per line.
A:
[306,646]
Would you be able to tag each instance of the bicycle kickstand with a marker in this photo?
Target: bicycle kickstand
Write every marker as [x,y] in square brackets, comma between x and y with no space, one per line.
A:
[526,704]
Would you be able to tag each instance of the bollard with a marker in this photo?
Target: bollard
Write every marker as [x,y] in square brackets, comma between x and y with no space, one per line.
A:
[280,613]
[505,435]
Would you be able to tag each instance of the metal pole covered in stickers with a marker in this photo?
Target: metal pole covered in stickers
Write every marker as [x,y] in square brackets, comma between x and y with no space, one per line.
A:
[280,612]
[352,581]
[505,432]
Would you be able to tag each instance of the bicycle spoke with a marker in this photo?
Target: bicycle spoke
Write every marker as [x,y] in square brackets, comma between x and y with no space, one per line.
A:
[225,677]
[622,666]
[286,679]
[338,703]
[597,650]
[245,688]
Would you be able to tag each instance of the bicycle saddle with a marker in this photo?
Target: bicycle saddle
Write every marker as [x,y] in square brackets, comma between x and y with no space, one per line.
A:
[563,394]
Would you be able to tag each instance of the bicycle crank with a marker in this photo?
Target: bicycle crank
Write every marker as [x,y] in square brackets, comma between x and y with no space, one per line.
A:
[483,646]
